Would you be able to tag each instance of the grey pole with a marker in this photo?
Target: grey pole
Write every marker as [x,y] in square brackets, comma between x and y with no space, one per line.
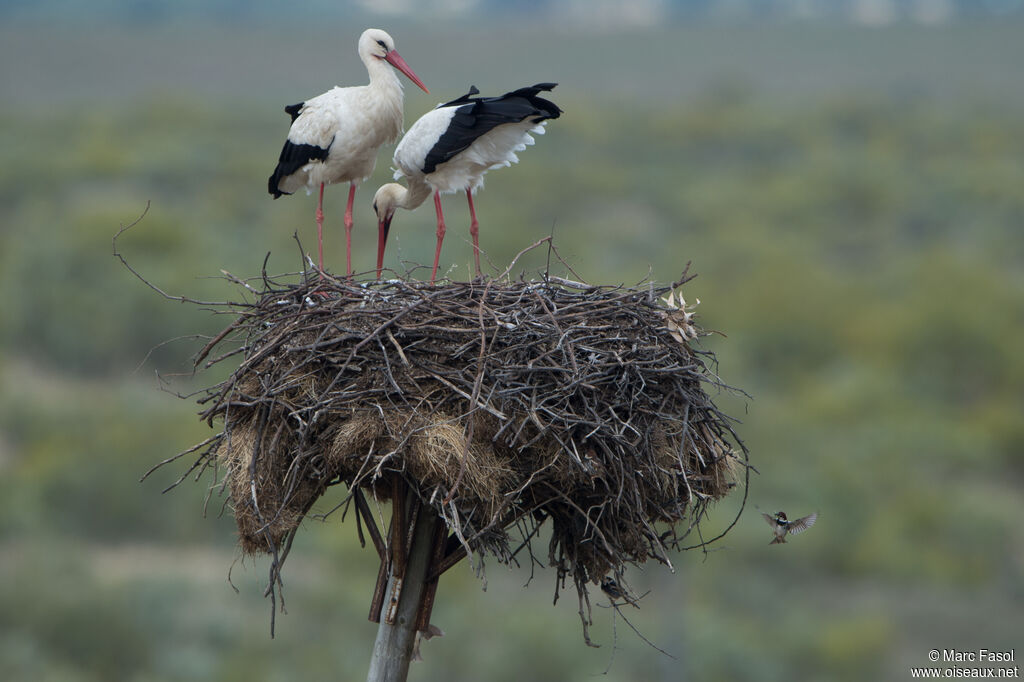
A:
[393,648]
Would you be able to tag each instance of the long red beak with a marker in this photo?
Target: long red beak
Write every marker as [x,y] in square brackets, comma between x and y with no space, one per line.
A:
[396,61]
[383,226]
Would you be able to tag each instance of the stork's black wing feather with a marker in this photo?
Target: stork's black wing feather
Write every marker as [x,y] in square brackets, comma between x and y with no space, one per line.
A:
[293,157]
[476,116]
[293,110]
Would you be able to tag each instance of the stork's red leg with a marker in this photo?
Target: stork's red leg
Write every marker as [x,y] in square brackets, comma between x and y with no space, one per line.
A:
[348,229]
[440,234]
[474,230]
[320,228]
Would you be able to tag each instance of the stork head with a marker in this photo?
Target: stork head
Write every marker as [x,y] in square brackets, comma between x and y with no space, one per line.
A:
[377,44]
[385,201]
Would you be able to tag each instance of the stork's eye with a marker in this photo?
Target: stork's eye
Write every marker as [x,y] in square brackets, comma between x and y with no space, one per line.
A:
[381,43]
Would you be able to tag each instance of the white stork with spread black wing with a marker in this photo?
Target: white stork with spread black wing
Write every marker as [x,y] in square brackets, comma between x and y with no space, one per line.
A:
[451,148]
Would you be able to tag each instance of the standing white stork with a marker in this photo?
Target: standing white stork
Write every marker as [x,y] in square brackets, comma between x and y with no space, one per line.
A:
[451,148]
[334,137]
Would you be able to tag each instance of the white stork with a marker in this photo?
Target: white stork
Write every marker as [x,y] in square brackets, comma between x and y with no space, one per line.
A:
[451,147]
[334,137]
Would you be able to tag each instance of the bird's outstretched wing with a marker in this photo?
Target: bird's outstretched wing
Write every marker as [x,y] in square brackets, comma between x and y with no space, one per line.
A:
[474,117]
[800,525]
[769,519]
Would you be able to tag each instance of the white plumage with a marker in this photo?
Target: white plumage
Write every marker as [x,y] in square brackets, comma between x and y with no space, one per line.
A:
[495,149]
[334,137]
[450,148]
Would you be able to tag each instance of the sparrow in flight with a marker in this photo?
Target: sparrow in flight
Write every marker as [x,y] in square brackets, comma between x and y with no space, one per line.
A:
[781,525]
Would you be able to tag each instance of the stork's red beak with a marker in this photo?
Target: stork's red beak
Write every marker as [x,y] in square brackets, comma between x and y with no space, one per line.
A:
[396,61]
[383,225]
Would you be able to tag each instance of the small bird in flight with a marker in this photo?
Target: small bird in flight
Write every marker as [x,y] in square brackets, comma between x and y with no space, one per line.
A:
[781,525]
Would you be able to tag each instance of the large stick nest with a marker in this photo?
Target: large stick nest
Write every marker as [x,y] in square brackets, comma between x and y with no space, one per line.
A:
[502,404]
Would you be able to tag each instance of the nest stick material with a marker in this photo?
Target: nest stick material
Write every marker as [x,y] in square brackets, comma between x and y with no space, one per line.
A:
[502,405]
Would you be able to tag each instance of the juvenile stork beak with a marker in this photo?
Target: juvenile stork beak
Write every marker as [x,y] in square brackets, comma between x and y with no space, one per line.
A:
[396,61]
[383,225]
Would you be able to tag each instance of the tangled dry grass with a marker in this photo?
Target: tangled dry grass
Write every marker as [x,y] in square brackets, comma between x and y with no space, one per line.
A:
[501,404]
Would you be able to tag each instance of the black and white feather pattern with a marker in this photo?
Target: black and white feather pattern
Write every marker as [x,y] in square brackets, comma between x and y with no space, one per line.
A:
[294,155]
[453,145]
[800,525]
[474,117]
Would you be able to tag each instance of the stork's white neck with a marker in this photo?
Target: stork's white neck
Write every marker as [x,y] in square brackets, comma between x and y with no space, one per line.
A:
[382,75]
[412,196]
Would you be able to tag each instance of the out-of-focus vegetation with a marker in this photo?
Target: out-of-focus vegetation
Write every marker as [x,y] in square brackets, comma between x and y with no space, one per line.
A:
[862,254]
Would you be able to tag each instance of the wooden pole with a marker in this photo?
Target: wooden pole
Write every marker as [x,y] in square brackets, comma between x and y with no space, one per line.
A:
[396,634]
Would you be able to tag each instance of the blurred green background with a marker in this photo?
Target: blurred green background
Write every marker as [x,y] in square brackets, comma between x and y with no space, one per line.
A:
[846,177]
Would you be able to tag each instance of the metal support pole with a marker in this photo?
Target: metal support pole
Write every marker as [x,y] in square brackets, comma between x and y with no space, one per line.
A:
[393,648]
